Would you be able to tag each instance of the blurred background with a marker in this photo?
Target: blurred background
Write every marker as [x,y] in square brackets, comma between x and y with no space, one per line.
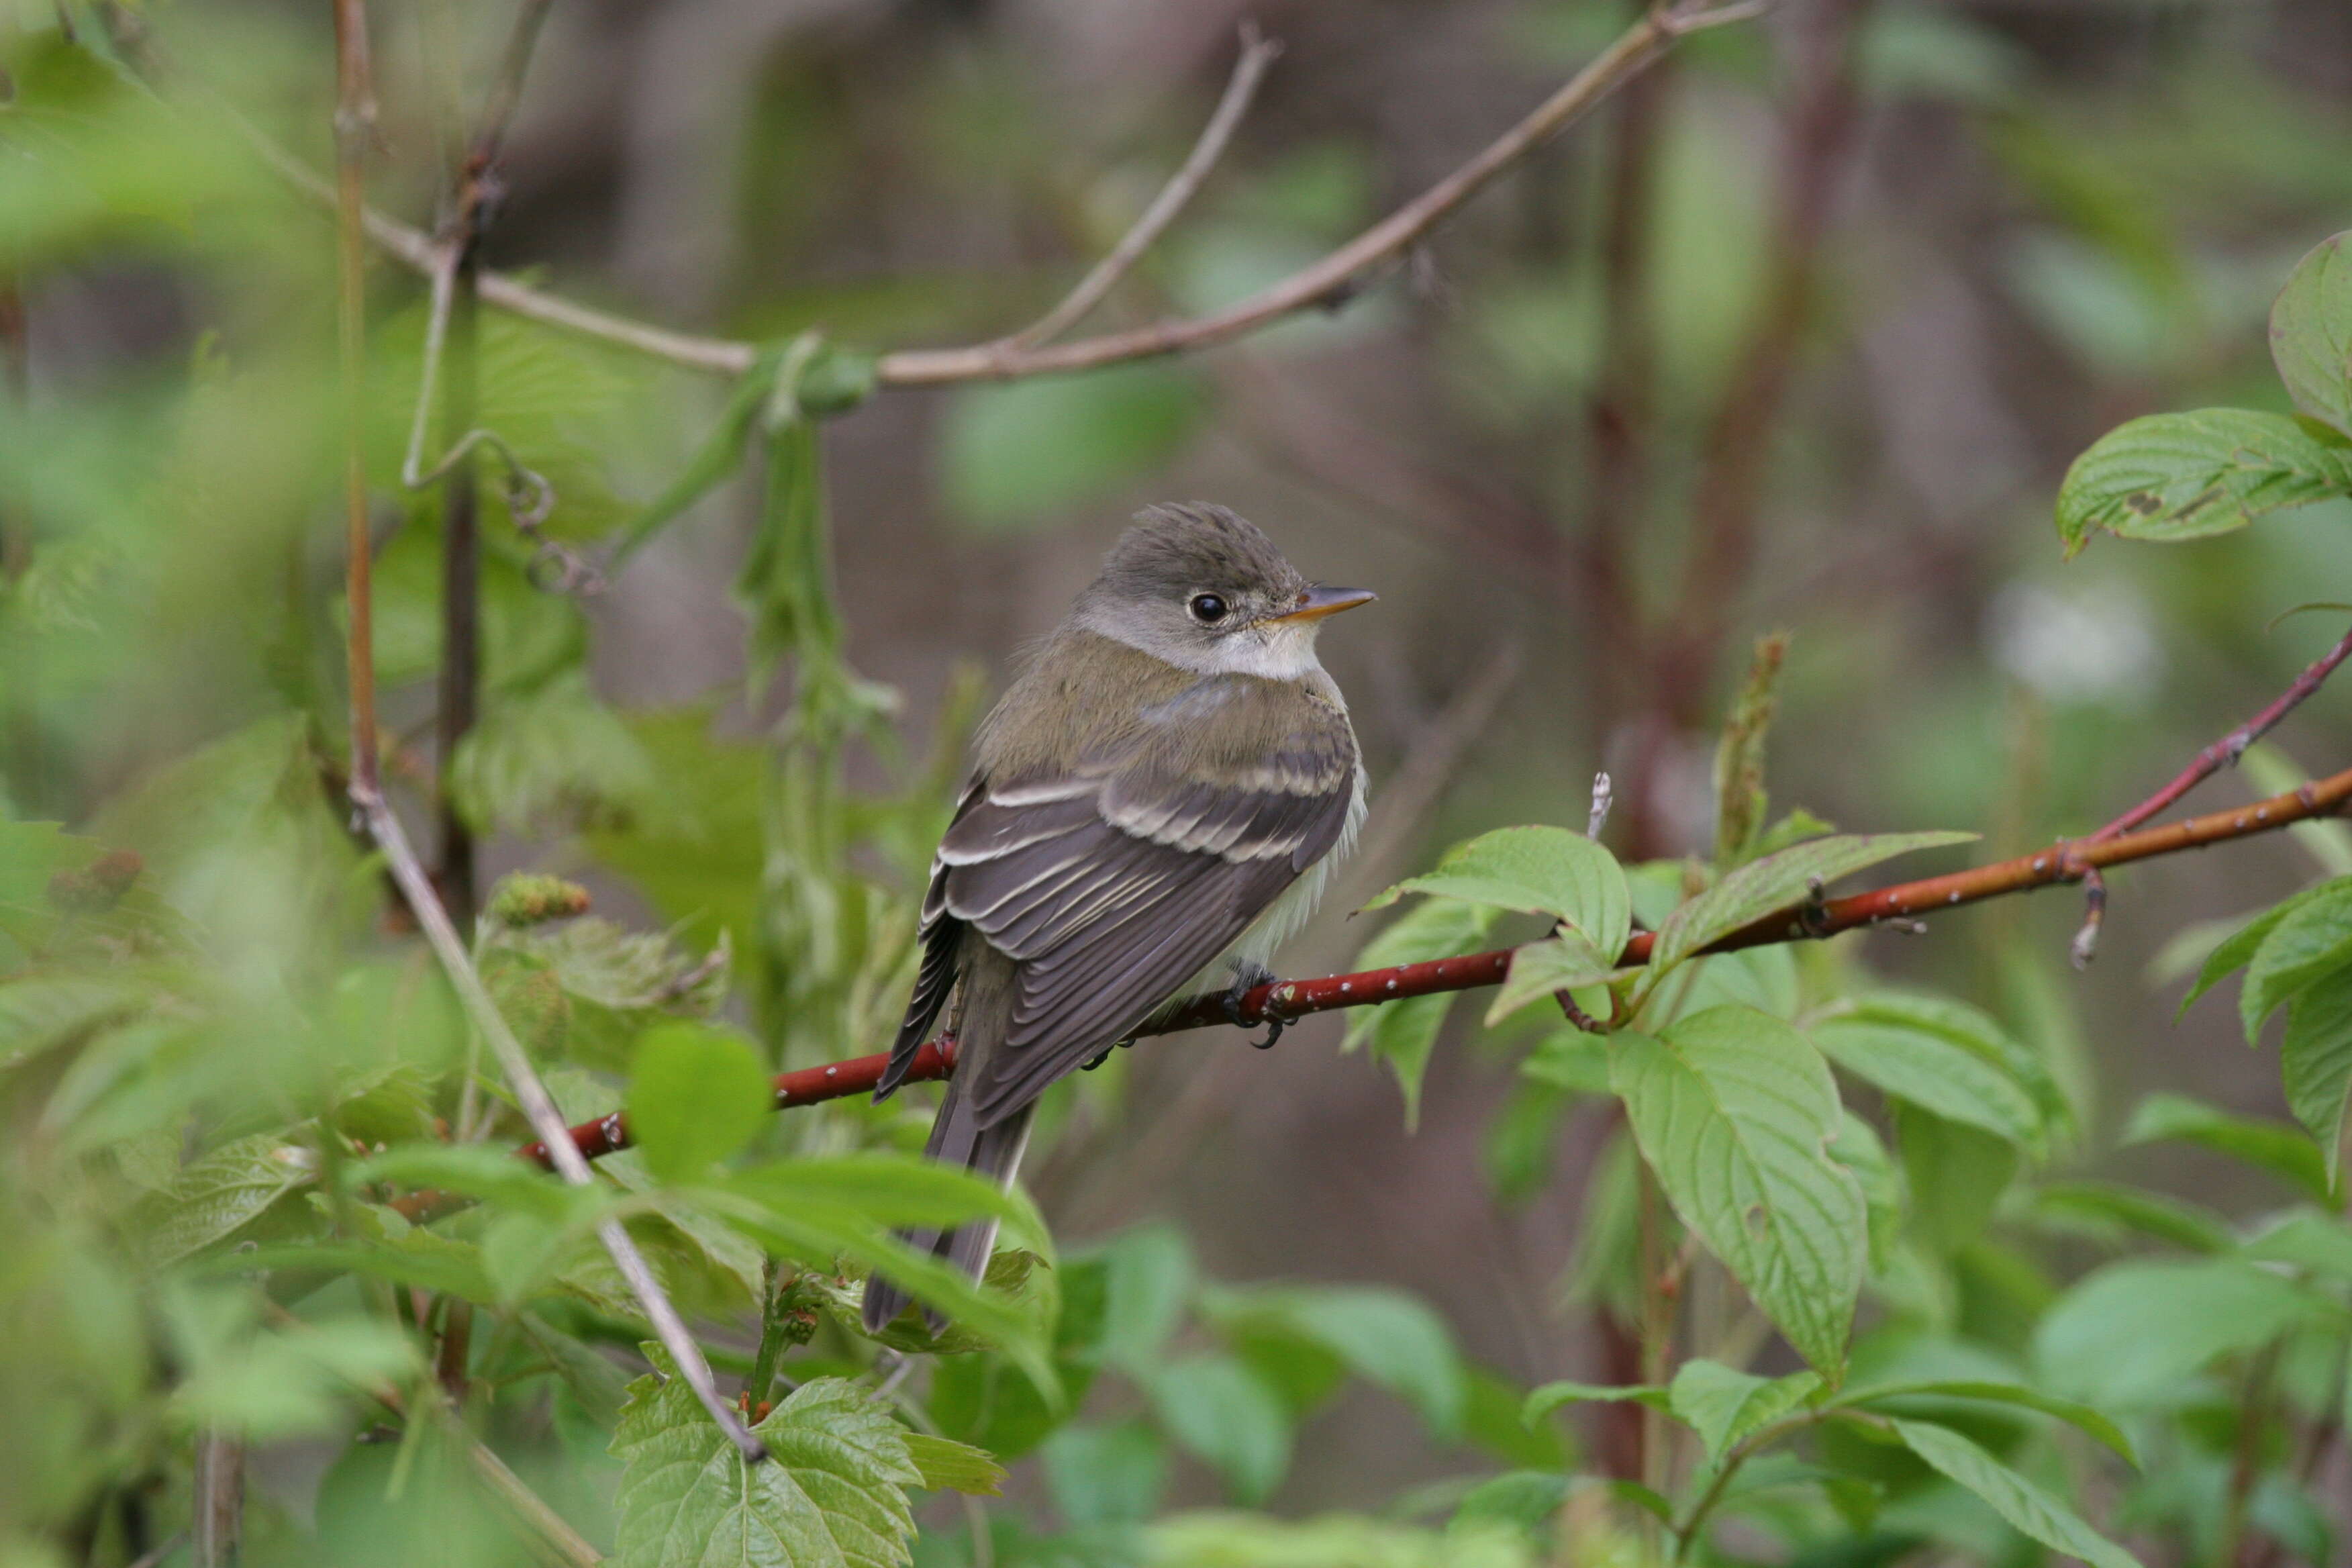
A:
[1799,332]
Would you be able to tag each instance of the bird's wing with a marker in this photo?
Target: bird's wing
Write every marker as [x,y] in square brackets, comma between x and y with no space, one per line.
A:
[940,934]
[1112,886]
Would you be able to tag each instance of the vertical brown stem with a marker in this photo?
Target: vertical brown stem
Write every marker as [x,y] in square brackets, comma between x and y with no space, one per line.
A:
[1739,444]
[461,594]
[217,1527]
[354,121]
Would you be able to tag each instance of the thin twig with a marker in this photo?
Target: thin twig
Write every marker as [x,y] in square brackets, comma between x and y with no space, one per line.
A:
[354,117]
[1342,272]
[1326,282]
[216,1532]
[354,111]
[506,88]
[2225,752]
[539,1108]
[1257,54]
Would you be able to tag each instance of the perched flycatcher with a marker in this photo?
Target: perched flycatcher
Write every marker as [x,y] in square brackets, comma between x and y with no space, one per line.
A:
[1161,790]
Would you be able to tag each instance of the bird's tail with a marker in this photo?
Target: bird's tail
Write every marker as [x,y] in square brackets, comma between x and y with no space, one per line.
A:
[956,1139]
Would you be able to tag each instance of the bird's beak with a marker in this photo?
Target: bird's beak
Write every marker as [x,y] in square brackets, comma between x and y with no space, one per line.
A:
[1319,601]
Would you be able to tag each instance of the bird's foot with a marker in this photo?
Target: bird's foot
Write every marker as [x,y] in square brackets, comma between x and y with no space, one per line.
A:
[1104,1055]
[1248,977]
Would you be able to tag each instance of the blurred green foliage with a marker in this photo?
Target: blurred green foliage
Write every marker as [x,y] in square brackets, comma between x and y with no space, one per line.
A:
[232,1075]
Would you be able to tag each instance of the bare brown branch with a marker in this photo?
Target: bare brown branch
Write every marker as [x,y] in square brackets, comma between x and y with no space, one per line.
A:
[1257,54]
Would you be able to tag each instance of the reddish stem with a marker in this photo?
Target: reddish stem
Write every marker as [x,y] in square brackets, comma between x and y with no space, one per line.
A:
[1801,921]
[2225,752]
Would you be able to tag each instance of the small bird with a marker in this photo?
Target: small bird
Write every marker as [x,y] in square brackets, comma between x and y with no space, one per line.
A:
[1158,794]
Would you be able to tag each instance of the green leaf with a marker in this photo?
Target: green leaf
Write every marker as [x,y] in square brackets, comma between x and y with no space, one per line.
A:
[1383,1336]
[1106,1475]
[1939,1055]
[2105,1205]
[1734,1110]
[2316,1063]
[720,454]
[1014,454]
[2073,1412]
[2171,477]
[1538,871]
[832,1494]
[947,1465]
[1857,1147]
[2309,1239]
[1223,1412]
[1562,963]
[1524,1498]
[1724,1405]
[1955,1174]
[2273,1145]
[2312,939]
[1149,1281]
[1547,1397]
[554,761]
[2237,950]
[2311,333]
[696,1096]
[2025,1505]
[1402,1033]
[220,1195]
[2131,1332]
[1778,882]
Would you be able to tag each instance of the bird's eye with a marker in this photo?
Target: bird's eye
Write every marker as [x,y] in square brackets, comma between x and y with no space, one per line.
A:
[1207,608]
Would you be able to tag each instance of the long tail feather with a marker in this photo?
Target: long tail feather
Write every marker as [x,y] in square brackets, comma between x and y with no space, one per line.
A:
[957,1140]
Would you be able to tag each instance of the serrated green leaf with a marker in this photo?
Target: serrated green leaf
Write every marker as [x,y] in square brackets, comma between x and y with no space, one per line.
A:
[549,762]
[2316,1064]
[832,1494]
[2073,1412]
[220,1194]
[2311,333]
[2237,950]
[697,1095]
[1402,1033]
[1733,1110]
[2312,939]
[1223,1412]
[2128,1334]
[2273,1145]
[1547,1397]
[2023,1504]
[1564,962]
[1940,1055]
[947,1465]
[1536,870]
[2171,477]
[1778,882]
[1724,1406]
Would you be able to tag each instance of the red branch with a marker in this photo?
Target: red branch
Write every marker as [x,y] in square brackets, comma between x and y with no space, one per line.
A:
[2225,752]
[2061,863]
